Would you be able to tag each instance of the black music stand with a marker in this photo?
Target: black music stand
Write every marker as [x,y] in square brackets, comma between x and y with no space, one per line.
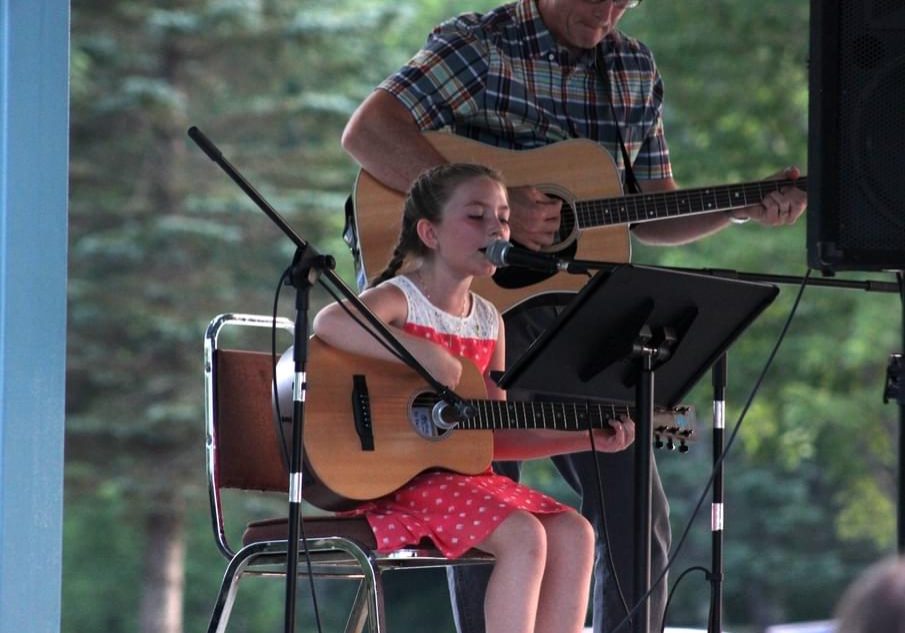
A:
[623,328]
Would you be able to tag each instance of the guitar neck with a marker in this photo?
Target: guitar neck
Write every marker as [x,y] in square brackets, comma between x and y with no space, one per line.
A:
[646,207]
[559,416]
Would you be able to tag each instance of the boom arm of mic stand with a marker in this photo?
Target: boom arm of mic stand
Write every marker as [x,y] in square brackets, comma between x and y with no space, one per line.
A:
[327,272]
[587,266]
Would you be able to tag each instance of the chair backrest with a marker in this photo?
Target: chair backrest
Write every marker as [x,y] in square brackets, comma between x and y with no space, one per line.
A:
[248,455]
[244,450]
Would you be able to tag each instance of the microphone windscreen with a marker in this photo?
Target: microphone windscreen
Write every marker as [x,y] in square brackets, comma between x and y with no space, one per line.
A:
[496,252]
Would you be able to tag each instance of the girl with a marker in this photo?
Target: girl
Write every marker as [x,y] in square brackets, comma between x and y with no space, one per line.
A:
[543,550]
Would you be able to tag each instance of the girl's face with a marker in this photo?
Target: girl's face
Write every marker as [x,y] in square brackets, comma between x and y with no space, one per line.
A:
[475,215]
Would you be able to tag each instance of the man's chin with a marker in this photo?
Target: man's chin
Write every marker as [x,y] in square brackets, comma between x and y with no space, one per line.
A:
[591,36]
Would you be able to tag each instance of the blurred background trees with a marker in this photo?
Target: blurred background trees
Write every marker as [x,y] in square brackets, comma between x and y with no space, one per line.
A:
[161,241]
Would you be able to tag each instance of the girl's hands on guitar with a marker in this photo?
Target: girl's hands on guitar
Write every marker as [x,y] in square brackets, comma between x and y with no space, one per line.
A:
[538,443]
[336,328]
[534,217]
[442,365]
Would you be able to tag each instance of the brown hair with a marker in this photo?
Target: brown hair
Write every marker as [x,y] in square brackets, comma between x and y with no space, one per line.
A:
[425,200]
[875,602]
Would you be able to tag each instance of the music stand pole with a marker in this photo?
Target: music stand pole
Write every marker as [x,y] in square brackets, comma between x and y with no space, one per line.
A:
[643,443]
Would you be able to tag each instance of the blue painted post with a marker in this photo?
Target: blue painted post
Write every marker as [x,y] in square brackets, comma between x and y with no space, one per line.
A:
[34,148]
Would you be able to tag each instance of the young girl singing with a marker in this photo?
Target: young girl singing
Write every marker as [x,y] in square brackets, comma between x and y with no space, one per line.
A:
[543,550]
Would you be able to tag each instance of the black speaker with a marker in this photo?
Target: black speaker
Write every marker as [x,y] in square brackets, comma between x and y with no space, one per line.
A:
[856,136]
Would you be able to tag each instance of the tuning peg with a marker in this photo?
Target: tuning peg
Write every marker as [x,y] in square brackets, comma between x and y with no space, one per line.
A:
[658,443]
[670,444]
[683,447]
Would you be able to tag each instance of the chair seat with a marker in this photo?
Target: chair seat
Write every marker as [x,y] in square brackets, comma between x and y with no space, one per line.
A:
[355,528]
[277,529]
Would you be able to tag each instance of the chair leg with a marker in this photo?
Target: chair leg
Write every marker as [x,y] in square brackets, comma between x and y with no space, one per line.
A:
[368,606]
[377,617]
[358,616]
[226,598]
[369,601]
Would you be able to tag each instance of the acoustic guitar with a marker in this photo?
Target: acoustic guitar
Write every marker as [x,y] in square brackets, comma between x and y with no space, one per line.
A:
[596,215]
[371,426]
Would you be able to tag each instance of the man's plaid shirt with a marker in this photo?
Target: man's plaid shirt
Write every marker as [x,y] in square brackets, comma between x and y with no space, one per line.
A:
[500,78]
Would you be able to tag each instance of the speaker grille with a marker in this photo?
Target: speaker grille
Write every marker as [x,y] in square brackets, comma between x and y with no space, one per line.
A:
[857,134]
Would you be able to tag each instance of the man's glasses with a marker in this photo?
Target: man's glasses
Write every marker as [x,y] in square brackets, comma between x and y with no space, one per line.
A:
[620,4]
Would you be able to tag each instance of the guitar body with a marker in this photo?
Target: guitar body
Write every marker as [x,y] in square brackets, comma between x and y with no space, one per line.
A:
[343,474]
[571,170]
[371,426]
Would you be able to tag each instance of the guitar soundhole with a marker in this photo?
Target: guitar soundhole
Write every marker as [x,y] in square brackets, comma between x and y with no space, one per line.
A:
[565,246]
[568,233]
[421,417]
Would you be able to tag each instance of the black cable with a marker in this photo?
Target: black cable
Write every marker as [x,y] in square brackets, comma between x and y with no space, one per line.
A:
[273,357]
[676,586]
[718,463]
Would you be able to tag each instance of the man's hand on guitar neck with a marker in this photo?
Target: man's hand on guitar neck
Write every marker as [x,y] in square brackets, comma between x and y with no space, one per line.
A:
[534,217]
[779,207]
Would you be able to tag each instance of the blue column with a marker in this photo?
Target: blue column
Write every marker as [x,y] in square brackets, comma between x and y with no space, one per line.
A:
[34,147]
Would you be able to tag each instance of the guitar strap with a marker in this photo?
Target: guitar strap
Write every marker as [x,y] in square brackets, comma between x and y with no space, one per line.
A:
[631,183]
[350,237]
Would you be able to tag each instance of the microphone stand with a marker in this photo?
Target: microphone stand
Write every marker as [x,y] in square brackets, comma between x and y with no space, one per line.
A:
[719,373]
[310,267]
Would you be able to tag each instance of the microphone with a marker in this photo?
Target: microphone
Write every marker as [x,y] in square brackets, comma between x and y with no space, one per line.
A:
[501,253]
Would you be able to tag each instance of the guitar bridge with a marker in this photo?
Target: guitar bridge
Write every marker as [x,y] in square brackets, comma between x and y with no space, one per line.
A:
[361,411]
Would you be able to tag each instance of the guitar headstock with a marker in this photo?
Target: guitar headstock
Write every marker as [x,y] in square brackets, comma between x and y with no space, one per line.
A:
[674,428]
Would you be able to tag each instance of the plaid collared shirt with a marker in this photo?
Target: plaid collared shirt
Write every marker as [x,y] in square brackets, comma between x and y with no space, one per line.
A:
[500,78]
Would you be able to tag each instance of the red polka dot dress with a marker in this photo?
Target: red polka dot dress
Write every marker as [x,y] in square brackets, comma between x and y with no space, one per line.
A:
[456,512]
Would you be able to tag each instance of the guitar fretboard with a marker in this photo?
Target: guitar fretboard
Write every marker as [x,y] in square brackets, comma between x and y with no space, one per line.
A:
[562,416]
[643,207]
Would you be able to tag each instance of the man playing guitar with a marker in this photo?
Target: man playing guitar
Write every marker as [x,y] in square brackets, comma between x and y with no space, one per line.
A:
[523,76]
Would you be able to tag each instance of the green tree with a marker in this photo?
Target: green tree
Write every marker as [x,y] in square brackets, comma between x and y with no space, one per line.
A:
[162,241]
[814,451]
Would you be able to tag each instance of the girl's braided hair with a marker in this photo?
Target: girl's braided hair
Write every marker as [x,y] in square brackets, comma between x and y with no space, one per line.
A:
[425,200]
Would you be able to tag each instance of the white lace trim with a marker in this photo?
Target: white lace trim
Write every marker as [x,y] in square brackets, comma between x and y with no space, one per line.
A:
[482,321]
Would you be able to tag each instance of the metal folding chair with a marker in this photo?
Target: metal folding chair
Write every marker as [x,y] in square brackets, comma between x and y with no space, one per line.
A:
[245,452]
